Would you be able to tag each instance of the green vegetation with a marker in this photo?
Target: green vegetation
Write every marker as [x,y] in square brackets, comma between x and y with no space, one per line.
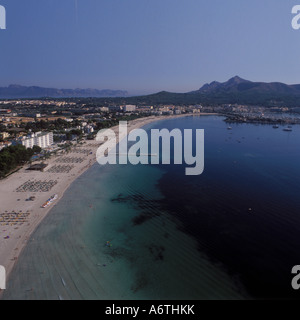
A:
[36,149]
[217,98]
[74,132]
[55,125]
[114,122]
[14,156]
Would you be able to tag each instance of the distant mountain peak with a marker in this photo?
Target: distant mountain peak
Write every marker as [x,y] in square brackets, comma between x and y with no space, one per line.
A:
[18,91]
[215,85]
[210,86]
[237,80]
[11,86]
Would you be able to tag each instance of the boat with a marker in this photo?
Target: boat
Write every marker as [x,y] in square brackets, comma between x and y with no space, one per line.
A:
[108,244]
[276,126]
[50,201]
[229,128]
[63,281]
[288,129]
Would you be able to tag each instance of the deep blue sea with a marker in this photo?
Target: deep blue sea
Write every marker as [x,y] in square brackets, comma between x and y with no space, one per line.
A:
[230,233]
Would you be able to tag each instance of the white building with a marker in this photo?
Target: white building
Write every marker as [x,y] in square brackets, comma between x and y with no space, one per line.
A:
[129,108]
[4,135]
[89,129]
[4,145]
[41,139]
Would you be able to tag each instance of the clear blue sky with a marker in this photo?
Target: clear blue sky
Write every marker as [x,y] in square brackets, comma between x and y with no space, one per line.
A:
[145,46]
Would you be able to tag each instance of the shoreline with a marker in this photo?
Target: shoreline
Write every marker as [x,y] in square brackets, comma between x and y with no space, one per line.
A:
[15,234]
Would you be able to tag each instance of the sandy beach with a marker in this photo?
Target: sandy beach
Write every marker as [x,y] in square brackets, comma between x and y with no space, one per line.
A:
[19,216]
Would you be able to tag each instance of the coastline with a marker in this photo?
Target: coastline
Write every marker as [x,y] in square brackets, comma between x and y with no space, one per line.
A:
[15,235]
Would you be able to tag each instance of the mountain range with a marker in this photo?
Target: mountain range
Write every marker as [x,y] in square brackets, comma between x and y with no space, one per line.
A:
[235,90]
[239,85]
[17,91]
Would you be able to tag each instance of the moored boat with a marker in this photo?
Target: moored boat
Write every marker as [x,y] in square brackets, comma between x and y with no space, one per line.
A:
[49,201]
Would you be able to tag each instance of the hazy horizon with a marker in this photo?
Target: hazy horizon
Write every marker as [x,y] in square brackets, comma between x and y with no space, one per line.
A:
[146,47]
[135,93]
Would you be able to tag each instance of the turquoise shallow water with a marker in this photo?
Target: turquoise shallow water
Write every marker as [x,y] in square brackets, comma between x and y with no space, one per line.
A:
[149,257]
[171,236]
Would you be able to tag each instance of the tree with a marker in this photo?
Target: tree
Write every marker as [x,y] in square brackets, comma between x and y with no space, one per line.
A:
[36,149]
[13,156]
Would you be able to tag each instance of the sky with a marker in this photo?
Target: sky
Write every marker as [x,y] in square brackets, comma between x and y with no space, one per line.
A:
[146,46]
